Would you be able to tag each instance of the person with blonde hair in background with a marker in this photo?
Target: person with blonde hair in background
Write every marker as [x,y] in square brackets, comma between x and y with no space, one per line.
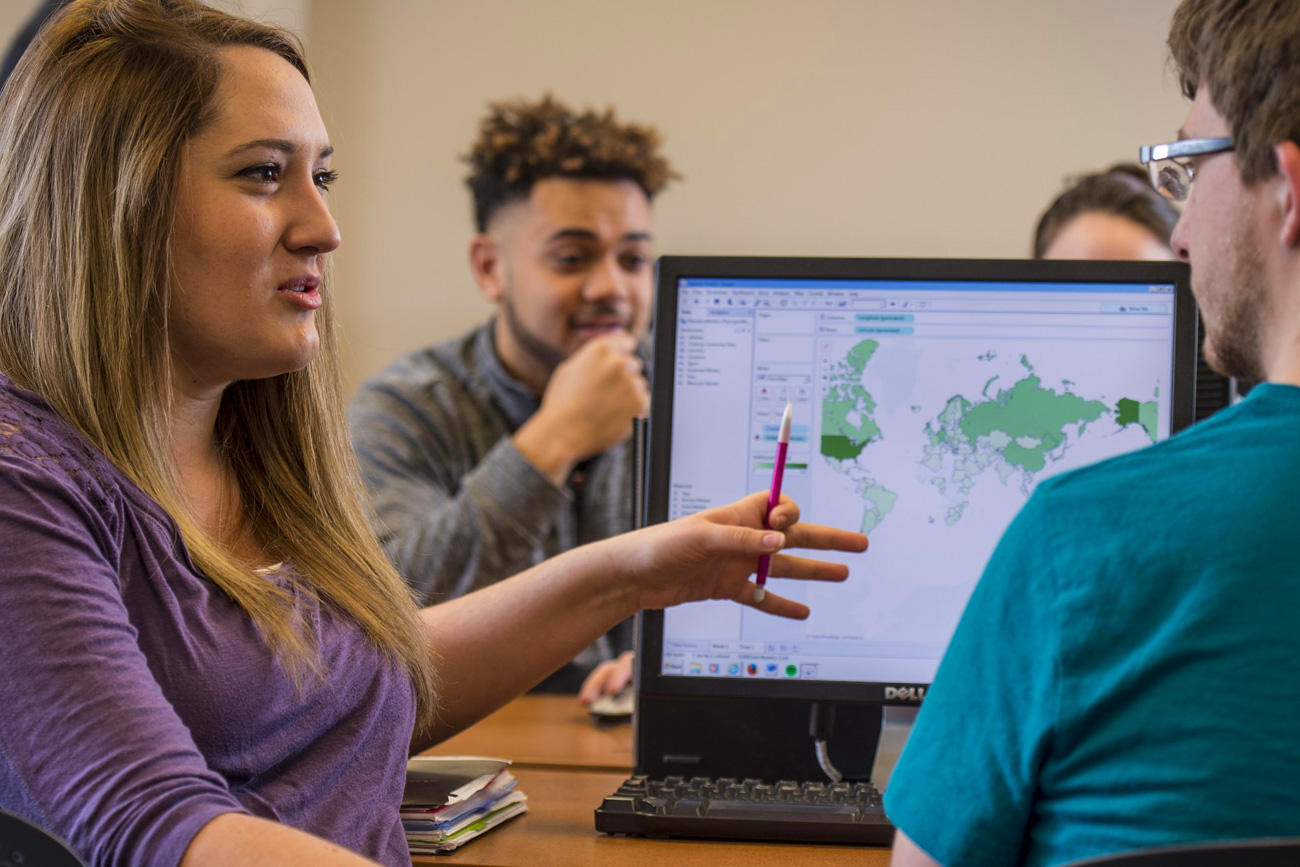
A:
[208,659]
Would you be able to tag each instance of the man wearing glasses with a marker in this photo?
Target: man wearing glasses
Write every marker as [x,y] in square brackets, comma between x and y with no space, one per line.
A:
[1124,675]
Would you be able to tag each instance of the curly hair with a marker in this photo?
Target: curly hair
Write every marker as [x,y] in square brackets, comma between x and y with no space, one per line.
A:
[520,143]
[1122,190]
[1244,51]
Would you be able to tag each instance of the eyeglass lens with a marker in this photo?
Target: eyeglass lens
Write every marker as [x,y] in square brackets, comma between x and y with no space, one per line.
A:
[1171,178]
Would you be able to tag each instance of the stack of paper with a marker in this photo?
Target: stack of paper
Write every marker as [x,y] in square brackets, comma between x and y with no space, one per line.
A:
[450,800]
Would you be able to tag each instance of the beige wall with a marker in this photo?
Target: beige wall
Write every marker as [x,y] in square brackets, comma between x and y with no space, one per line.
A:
[822,127]
[819,127]
[13,15]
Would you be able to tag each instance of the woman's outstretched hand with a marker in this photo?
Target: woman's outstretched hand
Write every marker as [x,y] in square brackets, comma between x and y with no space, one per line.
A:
[711,554]
[561,605]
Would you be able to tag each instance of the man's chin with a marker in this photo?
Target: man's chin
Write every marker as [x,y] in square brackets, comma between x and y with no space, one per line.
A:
[1228,358]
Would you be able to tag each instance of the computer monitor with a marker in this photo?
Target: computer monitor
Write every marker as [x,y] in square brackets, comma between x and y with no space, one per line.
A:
[930,398]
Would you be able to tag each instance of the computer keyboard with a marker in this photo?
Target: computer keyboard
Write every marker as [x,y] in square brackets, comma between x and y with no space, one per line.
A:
[726,808]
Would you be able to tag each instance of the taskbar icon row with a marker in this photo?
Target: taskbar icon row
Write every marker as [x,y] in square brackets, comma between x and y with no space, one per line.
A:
[739,668]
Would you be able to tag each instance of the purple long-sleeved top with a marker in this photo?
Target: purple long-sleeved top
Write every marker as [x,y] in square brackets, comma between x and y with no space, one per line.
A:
[137,702]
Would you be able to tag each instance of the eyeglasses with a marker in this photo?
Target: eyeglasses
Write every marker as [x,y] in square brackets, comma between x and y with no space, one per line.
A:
[1170,165]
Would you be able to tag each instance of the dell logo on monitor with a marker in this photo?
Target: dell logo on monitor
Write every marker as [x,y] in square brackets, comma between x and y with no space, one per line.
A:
[904,693]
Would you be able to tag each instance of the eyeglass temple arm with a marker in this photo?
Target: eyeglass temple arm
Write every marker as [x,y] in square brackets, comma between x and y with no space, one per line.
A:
[1183,148]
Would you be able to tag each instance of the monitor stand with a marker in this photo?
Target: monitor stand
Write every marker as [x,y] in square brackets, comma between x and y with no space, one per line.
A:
[895,726]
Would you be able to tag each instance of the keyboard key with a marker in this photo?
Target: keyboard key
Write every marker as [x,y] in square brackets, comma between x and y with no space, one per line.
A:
[761,810]
[685,807]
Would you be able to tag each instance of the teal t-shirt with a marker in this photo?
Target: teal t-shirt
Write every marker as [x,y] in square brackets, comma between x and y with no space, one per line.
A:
[1127,672]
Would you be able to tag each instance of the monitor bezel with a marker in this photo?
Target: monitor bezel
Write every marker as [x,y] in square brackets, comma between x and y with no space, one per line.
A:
[672,269]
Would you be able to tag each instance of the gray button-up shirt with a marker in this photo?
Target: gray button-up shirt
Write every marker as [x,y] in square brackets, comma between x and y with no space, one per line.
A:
[457,506]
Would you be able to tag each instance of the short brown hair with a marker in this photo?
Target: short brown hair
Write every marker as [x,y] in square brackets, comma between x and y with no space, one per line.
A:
[520,143]
[1245,52]
[1122,190]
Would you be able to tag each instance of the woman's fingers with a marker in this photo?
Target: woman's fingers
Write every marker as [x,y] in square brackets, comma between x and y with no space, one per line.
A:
[772,604]
[747,541]
[823,538]
[730,534]
[784,515]
[807,569]
[725,539]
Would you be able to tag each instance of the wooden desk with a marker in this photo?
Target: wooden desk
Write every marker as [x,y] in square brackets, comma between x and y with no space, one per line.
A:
[565,766]
[559,831]
[545,731]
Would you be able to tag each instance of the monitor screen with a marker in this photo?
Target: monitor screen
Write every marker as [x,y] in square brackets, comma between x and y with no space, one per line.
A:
[930,399]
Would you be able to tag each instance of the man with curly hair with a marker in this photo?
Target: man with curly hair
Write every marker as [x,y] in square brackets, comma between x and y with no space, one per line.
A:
[1123,676]
[489,453]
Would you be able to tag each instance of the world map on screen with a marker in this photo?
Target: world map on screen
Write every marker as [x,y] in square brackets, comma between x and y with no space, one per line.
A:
[1008,433]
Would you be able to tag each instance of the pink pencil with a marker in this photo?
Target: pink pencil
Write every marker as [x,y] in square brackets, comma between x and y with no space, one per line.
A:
[774,497]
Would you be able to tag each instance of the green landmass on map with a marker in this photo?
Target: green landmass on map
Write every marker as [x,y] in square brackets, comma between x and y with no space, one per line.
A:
[946,434]
[879,503]
[1033,417]
[847,423]
[849,426]
[1144,413]
[1014,432]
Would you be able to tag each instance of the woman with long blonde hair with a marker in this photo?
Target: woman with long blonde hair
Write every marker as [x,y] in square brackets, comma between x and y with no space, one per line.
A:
[208,660]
